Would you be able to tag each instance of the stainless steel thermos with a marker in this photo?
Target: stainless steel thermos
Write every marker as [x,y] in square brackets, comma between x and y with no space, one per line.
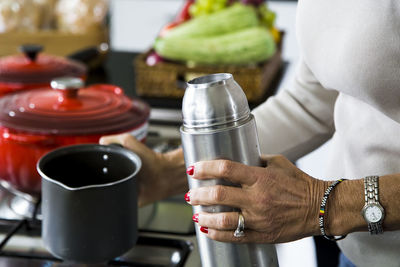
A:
[217,124]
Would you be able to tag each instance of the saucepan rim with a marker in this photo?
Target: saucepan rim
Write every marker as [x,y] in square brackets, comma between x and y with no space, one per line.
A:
[65,149]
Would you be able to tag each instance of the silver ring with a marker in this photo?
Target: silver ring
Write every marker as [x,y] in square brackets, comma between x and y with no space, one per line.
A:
[239,232]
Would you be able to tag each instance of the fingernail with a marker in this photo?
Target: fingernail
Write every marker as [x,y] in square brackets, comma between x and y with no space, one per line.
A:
[195,217]
[187,196]
[204,229]
[190,170]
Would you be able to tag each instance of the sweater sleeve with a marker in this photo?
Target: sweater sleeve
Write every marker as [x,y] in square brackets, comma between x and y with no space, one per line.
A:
[297,120]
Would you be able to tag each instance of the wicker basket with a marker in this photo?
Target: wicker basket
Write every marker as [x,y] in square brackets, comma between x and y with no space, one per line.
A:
[167,79]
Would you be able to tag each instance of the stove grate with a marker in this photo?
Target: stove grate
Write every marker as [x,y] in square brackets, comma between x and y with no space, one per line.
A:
[149,251]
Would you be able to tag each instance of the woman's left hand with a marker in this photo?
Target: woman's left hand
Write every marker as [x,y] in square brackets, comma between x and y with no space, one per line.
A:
[279,202]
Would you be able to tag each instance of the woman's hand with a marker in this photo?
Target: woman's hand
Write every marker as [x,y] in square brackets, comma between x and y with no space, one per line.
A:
[279,202]
[161,176]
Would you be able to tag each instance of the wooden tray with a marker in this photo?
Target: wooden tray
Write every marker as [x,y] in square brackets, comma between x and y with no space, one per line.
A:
[167,79]
[54,42]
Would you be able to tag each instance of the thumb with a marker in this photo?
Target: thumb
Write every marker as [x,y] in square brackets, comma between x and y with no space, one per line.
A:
[127,141]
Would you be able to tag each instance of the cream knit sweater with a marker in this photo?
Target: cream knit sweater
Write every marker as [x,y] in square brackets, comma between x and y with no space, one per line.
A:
[347,87]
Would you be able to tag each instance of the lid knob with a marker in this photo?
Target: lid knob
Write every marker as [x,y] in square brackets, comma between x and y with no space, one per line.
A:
[68,86]
[31,50]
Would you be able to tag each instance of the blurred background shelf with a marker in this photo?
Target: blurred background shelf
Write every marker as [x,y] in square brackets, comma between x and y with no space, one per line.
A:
[54,42]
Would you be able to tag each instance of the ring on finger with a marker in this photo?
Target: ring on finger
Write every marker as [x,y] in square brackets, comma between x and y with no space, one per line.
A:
[239,232]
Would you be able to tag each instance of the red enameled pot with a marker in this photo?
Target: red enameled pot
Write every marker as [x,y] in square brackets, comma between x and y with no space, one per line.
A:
[33,69]
[34,122]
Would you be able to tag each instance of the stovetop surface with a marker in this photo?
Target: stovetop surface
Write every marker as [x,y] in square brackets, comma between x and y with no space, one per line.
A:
[166,230]
[166,236]
[149,252]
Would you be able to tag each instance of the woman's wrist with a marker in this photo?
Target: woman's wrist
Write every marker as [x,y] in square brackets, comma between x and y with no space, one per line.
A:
[318,189]
[343,212]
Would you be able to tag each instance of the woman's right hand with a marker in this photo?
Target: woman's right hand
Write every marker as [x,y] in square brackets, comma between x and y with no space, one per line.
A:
[161,176]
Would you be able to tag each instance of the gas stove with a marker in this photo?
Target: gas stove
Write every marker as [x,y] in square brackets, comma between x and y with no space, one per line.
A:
[166,230]
[166,237]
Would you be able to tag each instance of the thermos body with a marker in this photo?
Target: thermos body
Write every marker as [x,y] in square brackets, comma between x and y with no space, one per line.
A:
[237,143]
[222,129]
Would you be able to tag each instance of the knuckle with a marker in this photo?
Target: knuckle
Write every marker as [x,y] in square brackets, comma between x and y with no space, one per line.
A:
[218,193]
[126,139]
[223,221]
[225,168]
[282,160]
[276,160]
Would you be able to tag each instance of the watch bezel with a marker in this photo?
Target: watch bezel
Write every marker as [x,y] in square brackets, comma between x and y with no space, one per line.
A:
[366,206]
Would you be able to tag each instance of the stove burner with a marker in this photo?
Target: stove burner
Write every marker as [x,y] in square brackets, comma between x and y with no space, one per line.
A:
[21,244]
[20,203]
[164,251]
[166,230]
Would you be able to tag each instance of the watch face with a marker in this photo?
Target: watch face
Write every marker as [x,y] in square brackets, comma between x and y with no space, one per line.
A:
[373,214]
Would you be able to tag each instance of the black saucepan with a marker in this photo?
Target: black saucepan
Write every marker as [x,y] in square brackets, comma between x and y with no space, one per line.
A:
[89,202]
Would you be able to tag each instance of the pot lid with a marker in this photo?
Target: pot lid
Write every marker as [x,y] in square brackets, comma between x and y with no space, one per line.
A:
[33,67]
[69,109]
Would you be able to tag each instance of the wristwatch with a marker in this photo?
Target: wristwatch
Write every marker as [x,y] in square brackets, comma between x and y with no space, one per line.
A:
[373,211]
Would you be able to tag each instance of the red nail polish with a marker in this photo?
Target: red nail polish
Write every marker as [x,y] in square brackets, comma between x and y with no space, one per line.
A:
[204,229]
[195,217]
[187,196]
[190,170]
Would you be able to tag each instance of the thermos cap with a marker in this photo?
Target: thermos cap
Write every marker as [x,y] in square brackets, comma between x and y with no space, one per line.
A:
[213,100]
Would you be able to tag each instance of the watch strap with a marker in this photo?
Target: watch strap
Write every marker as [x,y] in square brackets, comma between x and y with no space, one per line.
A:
[371,189]
[375,228]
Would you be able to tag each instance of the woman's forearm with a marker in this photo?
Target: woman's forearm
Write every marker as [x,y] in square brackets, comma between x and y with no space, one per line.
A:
[347,200]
